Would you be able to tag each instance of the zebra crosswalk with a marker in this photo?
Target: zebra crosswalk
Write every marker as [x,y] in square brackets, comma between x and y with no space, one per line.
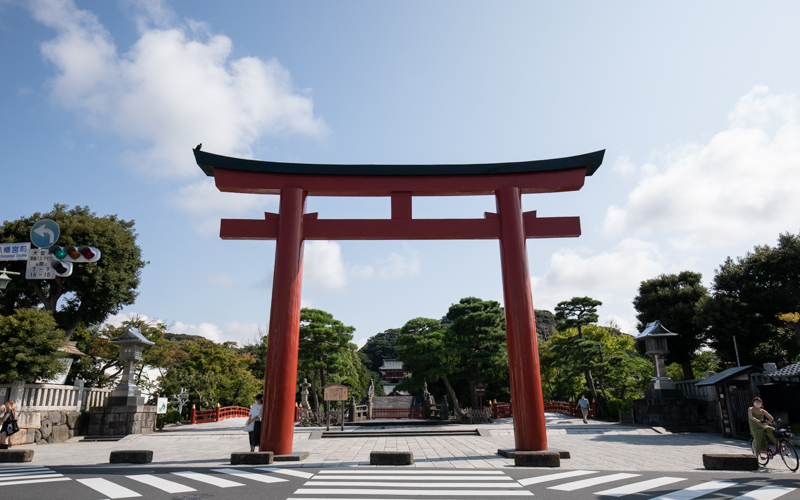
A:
[10,476]
[396,484]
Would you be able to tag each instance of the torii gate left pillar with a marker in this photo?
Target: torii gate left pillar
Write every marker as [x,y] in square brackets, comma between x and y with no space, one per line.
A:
[291,226]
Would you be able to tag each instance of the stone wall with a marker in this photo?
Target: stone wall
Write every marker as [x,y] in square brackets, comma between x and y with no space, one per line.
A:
[667,412]
[42,427]
[121,420]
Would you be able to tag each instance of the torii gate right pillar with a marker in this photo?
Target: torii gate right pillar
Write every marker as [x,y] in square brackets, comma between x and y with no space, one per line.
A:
[530,432]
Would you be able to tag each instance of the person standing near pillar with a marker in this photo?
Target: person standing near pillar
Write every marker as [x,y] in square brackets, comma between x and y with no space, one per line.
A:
[583,404]
[255,419]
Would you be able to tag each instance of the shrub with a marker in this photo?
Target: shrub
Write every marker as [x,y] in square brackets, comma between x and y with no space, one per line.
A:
[172,417]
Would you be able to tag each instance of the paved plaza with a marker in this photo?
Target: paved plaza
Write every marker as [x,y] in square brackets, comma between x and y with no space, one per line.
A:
[601,446]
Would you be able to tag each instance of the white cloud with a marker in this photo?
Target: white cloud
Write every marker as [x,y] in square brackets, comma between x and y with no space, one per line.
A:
[322,266]
[739,187]
[399,266]
[394,266]
[611,277]
[207,204]
[235,331]
[224,280]
[176,86]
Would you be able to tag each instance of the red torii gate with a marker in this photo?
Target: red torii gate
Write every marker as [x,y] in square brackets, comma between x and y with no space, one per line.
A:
[291,226]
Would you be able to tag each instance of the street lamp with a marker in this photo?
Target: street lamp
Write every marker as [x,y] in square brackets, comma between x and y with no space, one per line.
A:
[5,280]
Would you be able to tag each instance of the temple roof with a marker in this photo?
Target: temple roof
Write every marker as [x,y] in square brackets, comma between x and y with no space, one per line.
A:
[208,162]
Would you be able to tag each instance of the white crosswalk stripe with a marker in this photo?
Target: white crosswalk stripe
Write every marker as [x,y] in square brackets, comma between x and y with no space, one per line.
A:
[208,479]
[251,475]
[630,489]
[107,488]
[387,484]
[766,493]
[695,491]
[585,483]
[161,483]
[555,477]
[288,472]
[11,476]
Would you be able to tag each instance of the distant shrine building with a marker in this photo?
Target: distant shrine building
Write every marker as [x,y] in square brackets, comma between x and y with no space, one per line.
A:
[392,374]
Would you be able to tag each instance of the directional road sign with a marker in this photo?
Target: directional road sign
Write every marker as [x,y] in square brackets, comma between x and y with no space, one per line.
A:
[45,233]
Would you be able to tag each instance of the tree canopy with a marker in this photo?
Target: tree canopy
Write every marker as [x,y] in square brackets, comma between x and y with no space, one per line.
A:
[379,347]
[674,299]
[29,346]
[94,290]
[469,347]
[757,299]
[324,347]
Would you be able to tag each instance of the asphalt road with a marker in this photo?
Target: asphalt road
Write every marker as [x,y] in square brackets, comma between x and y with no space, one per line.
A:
[368,483]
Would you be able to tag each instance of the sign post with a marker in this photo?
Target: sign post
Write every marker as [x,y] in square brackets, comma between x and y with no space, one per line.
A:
[480,391]
[334,392]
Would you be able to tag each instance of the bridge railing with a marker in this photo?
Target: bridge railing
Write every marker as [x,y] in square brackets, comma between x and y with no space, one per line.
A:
[217,414]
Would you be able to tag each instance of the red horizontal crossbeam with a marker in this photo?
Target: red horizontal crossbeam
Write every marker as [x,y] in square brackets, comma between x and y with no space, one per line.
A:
[361,185]
[400,229]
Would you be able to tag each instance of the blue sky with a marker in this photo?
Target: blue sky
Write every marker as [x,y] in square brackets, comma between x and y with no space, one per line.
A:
[696,105]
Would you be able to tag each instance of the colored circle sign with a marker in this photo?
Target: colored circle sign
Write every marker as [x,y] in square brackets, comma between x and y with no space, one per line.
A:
[45,233]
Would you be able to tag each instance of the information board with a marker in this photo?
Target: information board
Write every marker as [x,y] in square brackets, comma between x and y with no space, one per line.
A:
[161,405]
[334,393]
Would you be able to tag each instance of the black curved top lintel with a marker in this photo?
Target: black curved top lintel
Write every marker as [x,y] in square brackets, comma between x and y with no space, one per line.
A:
[209,161]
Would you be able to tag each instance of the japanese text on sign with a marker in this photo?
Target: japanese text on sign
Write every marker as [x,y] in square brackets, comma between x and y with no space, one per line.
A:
[334,393]
[39,267]
[14,251]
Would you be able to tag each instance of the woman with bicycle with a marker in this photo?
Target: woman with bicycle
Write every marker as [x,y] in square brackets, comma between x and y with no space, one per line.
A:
[758,418]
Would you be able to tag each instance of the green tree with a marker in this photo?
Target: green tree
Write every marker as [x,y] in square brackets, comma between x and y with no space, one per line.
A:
[379,347]
[577,313]
[756,299]
[673,299]
[94,290]
[258,350]
[620,371]
[545,323]
[29,346]
[324,347]
[214,373]
[423,349]
[468,346]
[478,336]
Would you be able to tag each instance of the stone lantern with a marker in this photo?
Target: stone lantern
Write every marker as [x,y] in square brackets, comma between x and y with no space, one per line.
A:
[655,338]
[125,412]
[130,352]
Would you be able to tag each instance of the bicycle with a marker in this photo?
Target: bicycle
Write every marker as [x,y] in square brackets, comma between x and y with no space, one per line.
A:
[782,447]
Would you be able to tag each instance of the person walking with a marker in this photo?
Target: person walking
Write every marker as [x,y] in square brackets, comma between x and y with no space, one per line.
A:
[8,417]
[255,419]
[583,404]
[758,418]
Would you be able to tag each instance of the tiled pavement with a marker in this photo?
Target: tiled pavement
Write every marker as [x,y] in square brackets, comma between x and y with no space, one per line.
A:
[599,446]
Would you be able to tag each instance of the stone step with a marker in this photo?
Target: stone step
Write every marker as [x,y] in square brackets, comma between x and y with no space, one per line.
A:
[394,433]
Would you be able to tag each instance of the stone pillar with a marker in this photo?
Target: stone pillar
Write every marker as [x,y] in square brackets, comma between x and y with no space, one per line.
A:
[79,397]
[17,392]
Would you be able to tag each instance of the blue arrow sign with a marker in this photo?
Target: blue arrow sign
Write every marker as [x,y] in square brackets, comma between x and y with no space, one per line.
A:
[45,233]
